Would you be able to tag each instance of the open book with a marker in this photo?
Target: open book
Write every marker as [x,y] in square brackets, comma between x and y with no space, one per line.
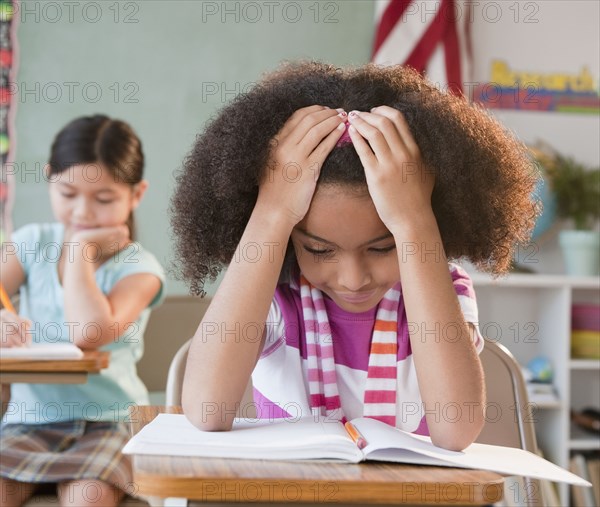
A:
[43,352]
[310,439]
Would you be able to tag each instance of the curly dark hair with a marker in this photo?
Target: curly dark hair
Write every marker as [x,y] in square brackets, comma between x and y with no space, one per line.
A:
[484,177]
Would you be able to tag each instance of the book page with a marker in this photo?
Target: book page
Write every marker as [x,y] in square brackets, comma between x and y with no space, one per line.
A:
[43,352]
[386,443]
[283,439]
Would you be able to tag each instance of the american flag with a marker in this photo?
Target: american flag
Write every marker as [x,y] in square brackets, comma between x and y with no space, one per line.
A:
[433,36]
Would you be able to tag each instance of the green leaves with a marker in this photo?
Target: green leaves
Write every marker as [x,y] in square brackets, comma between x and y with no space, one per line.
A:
[576,187]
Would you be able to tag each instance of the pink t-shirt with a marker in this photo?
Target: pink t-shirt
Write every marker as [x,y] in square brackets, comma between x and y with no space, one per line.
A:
[280,378]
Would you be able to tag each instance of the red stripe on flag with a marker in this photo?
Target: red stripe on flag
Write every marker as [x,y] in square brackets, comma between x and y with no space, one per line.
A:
[443,29]
[452,49]
[426,46]
[390,17]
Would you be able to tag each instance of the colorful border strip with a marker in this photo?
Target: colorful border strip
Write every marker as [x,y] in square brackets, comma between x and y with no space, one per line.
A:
[8,69]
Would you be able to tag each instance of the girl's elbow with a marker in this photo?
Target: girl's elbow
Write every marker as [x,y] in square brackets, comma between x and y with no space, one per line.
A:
[99,334]
[454,440]
[204,416]
[458,437]
[205,423]
[451,444]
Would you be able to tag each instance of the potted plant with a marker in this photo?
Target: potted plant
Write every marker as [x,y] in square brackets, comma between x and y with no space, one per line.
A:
[576,190]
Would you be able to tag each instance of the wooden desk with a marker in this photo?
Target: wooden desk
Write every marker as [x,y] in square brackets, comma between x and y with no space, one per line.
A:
[66,371]
[251,481]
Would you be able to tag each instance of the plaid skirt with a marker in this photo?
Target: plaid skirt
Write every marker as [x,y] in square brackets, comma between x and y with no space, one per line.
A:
[65,451]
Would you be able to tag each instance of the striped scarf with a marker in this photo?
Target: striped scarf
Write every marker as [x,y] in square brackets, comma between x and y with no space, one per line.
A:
[380,389]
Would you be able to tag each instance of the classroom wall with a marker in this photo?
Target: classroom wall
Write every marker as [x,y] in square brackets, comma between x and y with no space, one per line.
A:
[167,66]
[163,66]
[547,37]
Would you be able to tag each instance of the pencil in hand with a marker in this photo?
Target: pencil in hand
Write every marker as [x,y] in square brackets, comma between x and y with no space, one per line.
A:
[6,303]
[18,328]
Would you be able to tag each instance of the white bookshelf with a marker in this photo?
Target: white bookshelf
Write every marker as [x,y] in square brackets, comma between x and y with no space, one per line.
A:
[530,314]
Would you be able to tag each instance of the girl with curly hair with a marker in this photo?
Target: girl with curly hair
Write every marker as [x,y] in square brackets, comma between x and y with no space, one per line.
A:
[336,198]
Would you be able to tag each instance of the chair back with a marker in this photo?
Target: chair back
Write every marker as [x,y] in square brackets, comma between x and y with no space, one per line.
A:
[169,327]
[175,384]
[509,415]
[175,376]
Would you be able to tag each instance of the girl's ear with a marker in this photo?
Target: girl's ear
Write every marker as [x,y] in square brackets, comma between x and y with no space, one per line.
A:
[139,189]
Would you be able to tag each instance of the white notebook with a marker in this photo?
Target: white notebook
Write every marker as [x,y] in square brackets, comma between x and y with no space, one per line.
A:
[43,352]
[310,439]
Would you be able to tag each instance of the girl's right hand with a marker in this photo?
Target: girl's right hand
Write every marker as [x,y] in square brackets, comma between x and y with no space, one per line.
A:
[14,330]
[106,241]
[297,155]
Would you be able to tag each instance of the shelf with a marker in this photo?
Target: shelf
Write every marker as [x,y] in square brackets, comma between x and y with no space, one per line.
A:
[536,281]
[582,440]
[584,364]
[546,404]
[539,395]
[510,305]
[585,444]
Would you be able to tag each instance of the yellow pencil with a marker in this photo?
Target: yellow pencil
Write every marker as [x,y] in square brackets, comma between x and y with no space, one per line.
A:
[359,440]
[6,300]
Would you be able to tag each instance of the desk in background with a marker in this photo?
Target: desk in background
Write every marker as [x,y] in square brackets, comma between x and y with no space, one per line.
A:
[64,371]
[251,481]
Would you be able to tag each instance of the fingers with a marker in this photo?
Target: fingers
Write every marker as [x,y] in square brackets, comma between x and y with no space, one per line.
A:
[364,151]
[311,130]
[323,149]
[15,330]
[397,118]
[311,133]
[297,117]
[377,130]
[386,130]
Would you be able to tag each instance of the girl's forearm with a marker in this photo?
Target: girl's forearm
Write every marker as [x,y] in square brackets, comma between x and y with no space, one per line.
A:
[448,368]
[87,310]
[228,341]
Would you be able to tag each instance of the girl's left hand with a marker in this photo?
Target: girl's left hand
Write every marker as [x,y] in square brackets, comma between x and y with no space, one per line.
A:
[399,182]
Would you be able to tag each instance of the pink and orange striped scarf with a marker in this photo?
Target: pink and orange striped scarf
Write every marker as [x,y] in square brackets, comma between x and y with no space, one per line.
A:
[380,389]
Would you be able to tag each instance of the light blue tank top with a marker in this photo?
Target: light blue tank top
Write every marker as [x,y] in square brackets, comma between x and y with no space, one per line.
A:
[107,395]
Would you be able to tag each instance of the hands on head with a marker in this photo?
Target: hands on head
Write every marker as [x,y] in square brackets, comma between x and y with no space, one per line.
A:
[398,182]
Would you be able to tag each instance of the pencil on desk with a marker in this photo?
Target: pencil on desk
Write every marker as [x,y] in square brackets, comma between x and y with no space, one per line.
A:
[359,440]
[6,300]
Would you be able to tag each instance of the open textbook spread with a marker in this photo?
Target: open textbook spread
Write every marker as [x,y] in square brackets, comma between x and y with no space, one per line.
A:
[311,439]
[43,352]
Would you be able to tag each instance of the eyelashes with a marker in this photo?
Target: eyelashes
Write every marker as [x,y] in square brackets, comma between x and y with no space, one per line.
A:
[99,201]
[384,250]
[318,252]
[329,252]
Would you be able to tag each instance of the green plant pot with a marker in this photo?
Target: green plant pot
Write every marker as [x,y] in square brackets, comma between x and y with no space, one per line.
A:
[581,252]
